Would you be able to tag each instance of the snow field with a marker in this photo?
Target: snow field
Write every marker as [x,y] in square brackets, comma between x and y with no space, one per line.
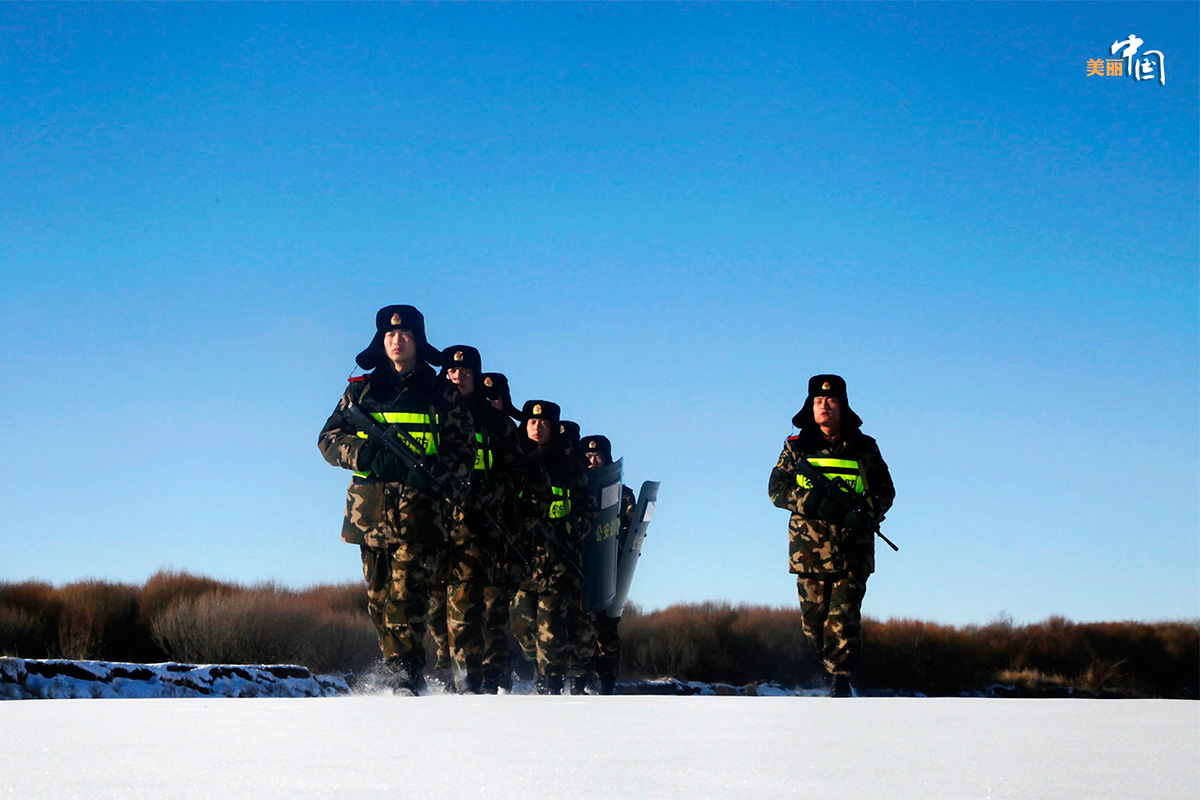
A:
[449,747]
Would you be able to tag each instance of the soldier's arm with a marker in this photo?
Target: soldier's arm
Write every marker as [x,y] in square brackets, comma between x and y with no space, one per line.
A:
[339,441]
[456,441]
[782,487]
[628,506]
[535,499]
[880,488]
[507,465]
[589,510]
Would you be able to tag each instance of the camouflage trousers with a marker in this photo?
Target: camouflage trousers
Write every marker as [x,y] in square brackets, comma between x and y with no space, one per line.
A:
[581,628]
[497,668]
[439,634]
[595,645]
[541,621]
[457,631]
[608,645]
[456,605]
[398,598]
[831,615]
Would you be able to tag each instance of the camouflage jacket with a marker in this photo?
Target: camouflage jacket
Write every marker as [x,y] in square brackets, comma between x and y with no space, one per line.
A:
[818,547]
[571,515]
[499,460]
[377,512]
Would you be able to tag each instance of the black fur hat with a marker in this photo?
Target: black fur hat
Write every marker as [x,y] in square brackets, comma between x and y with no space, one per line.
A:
[542,409]
[461,356]
[826,386]
[568,431]
[495,386]
[597,444]
[391,318]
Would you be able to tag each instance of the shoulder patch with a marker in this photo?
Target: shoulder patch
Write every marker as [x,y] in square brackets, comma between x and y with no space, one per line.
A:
[358,379]
[794,438]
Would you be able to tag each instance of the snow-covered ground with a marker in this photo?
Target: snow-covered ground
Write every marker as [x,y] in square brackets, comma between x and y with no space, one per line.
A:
[519,746]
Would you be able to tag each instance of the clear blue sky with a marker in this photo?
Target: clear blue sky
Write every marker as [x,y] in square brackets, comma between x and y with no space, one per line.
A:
[664,217]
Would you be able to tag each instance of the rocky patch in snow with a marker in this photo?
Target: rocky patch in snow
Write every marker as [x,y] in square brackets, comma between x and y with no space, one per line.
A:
[25,679]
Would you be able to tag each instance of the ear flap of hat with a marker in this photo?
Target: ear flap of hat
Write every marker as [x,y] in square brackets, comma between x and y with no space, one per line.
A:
[826,386]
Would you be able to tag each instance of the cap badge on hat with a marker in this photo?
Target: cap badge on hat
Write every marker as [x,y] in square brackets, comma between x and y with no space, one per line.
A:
[487,382]
[458,355]
[592,444]
[825,386]
[396,319]
[537,409]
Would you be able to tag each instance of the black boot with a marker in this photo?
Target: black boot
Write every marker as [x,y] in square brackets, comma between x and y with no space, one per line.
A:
[469,684]
[549,684]
[406,675]
[841,686]
[608,684]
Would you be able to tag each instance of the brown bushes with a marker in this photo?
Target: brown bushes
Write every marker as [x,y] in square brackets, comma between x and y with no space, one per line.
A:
[740,644]
[180,616]
[185,617]
[265,625]
[99,620]
[717,642]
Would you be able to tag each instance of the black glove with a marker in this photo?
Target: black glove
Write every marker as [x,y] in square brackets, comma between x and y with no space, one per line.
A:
[817,506]
[858,520]
[386,465]
[811,507]
[831,511]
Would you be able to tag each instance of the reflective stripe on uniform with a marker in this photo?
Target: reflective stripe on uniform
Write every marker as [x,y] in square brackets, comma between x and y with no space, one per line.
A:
[418,426]
[483,455]
[844,471]
[560,508]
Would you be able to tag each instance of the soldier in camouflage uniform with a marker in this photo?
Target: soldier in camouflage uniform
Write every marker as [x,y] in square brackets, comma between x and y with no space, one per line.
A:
[541,608]
[476,541]
[598,641]
[568,433]
[512,561]
[391,512]
[832,553]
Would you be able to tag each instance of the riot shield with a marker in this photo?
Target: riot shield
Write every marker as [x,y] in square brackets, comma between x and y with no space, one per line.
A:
[631,545]
[600,548]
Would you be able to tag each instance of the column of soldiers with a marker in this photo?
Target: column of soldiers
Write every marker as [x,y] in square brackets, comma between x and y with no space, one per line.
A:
[505,551]
[505,555]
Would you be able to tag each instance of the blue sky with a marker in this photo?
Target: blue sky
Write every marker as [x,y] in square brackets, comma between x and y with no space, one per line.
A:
[663,217]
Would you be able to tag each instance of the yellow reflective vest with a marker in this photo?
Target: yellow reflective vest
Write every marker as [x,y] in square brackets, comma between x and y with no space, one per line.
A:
[844,471]
[420,426]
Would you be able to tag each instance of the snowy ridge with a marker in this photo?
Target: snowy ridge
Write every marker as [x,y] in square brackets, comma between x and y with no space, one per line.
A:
[62,679]
[26,679]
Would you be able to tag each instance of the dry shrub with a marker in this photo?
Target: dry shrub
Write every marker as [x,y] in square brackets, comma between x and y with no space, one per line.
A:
[168,586]
[99,621]
[349,597]
[19,632]
[741,644]
[717,642]
[265,625]
[31,611]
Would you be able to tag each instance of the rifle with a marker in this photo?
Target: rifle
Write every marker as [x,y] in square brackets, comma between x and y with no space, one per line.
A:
[404,446]
[848,501]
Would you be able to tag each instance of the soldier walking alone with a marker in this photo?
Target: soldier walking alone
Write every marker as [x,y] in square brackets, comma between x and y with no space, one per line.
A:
[391,512]
[832,552]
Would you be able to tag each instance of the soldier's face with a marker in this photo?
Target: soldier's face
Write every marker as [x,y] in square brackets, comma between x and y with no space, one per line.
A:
[594,459]
[497,403]
[537,429]
[827,412]
[462,378]
[401,348]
